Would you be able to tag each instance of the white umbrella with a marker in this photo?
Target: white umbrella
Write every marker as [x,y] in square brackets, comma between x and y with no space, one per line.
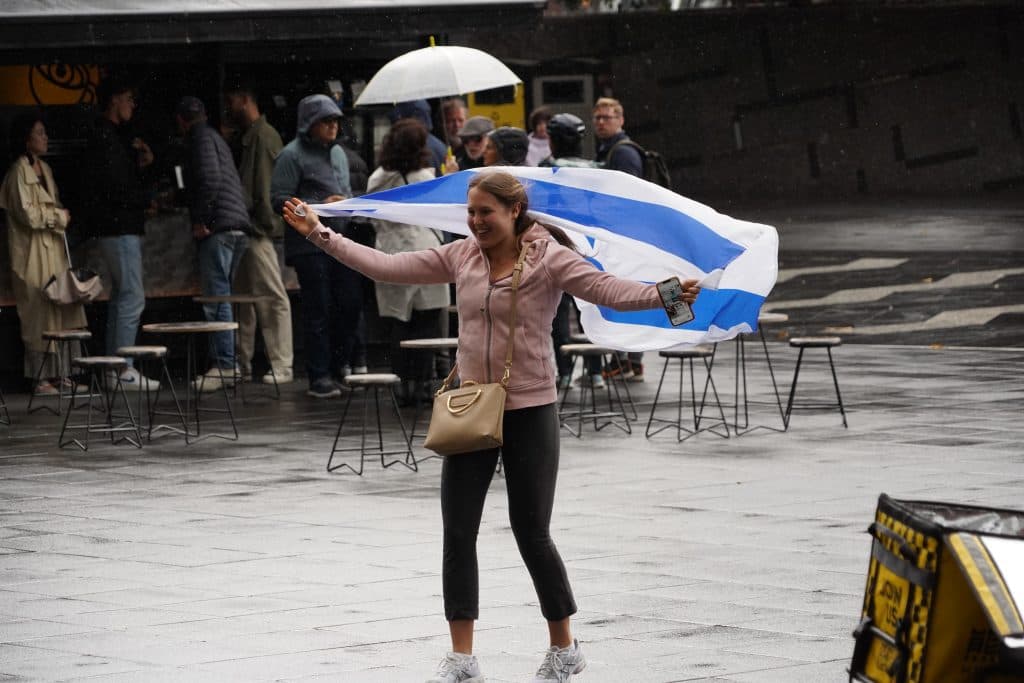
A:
[436,71]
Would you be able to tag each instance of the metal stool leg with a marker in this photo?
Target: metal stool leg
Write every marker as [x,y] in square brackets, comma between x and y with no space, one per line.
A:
[775,386]
[792,388]
[50,343]
[337,436]
[835,380]
[401,424]
[657,395]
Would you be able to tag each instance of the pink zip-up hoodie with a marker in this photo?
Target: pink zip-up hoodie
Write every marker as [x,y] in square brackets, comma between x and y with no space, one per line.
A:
[550,269]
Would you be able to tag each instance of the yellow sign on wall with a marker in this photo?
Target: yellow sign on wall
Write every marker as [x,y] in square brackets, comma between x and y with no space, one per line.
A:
[48,84]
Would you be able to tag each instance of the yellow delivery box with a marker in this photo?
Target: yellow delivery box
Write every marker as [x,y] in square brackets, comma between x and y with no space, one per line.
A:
[944,595]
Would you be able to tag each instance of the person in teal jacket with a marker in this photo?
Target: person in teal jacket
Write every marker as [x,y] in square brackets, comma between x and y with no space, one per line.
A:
[314,168]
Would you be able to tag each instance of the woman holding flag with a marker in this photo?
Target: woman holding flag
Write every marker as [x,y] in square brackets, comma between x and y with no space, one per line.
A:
[481,269]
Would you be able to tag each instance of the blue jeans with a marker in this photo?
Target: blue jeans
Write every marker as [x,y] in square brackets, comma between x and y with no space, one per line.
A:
[332,314]
[123,256]
[219,255]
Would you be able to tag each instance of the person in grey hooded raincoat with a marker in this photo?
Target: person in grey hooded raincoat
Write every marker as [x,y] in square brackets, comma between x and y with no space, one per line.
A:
[314,168]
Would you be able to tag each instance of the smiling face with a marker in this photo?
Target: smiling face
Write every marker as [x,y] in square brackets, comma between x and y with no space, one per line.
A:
[491,222]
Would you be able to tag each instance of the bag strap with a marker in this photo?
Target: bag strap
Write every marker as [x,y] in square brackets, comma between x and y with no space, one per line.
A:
[67,250]
[517,274]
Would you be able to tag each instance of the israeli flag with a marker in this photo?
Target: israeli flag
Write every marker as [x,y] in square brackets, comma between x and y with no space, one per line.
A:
[625,226]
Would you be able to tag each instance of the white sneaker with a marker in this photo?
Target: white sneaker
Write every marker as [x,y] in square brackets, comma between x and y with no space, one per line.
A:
[561,664]
[283,376]
[458,668]
[132,380]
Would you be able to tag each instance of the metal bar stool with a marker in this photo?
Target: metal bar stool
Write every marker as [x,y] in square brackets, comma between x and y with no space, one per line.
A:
[376,383]
[98,368]
[193,388]
[741,378]
[686,357]
[804,343]
[236,300]
[143,357]
[579,353]
[59,344]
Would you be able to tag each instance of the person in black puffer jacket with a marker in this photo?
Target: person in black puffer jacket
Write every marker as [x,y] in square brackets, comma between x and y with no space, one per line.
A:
[220,224]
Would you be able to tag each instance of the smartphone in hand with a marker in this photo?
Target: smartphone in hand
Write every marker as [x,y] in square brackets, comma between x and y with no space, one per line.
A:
[671,293]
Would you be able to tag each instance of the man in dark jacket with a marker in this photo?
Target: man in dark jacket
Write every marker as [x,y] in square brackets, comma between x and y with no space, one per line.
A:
[220,225]
[314,168]
[114,205]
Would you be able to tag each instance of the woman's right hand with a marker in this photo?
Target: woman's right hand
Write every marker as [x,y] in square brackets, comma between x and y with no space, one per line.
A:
[302,218]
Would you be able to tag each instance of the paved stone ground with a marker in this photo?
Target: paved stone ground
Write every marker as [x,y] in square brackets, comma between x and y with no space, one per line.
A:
[739,560]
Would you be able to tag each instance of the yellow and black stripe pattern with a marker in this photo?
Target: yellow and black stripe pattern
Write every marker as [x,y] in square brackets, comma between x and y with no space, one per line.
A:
[987,582]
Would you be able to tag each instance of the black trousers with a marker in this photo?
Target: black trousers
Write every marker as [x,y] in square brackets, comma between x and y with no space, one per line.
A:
[530,457]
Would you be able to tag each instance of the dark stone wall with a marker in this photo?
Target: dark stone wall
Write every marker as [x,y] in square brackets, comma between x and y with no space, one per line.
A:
[808,103]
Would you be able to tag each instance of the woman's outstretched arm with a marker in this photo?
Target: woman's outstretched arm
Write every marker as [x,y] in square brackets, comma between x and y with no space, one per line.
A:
[580,278]
[425,267]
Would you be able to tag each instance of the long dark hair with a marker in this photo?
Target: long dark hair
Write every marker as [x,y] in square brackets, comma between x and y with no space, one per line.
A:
[21,128]
[509,192]
[405,147]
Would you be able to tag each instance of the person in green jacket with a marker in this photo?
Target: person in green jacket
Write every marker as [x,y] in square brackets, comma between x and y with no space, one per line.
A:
[259,272]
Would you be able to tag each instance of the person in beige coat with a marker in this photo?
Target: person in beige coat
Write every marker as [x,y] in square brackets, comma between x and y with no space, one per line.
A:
[408,311]
[36,221]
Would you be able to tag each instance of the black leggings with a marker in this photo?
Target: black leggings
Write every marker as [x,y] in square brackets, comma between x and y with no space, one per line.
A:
[530,457]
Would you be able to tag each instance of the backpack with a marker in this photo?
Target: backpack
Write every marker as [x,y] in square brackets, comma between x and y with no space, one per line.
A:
[655,168]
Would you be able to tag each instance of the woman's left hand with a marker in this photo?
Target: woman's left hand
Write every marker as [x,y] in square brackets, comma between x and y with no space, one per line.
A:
[690,291]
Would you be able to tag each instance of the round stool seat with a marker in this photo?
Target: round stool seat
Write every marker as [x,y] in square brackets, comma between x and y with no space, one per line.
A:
[372,379]
[69,335]
[230,299]
[434,343]
[694,352]
[769,317]
[584,349]
[815,342]
[100,361]
[191,327]
[143,351]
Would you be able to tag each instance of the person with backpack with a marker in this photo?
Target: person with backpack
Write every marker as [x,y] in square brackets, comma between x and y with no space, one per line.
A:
[618,153]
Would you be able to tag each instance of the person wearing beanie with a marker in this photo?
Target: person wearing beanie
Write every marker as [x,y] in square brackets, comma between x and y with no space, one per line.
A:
[506,146]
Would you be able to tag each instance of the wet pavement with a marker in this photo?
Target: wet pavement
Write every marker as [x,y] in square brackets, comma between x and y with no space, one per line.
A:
[729,560]
[919,272]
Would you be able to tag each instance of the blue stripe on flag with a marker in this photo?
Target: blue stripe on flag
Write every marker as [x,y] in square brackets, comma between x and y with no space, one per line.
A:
[725,308]
[663,227]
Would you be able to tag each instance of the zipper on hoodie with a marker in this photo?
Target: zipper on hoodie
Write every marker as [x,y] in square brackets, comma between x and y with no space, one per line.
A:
[486,310]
